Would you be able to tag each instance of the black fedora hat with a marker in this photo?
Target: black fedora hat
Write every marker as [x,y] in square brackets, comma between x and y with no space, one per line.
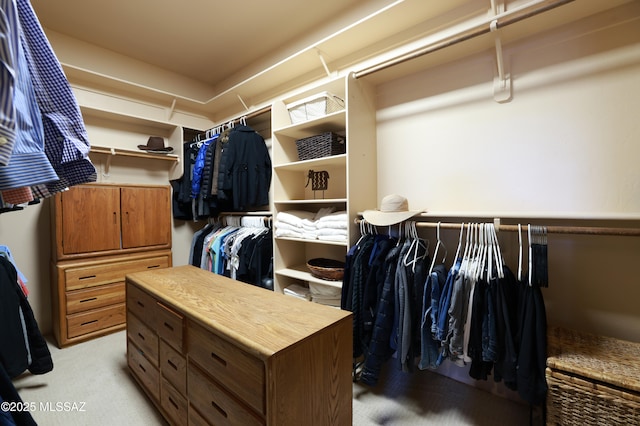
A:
[155,144]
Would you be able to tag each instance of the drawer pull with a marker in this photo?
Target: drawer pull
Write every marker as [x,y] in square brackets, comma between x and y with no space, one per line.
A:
[169,326]
[142,368]
[174,403]
[217,407]
[175,367]
[89,299]
[217,358]
[153,266]
[141,336]
[88,277]
[140,303]
[89,322]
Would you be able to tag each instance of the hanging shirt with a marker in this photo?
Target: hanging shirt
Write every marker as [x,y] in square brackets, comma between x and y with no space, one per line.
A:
[27,164]
[65,137]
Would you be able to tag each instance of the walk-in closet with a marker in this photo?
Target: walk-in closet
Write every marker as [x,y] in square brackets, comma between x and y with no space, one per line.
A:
[341,212]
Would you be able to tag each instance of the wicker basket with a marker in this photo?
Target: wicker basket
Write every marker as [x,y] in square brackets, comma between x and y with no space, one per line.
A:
[592,380]
[326,269]
[319,146]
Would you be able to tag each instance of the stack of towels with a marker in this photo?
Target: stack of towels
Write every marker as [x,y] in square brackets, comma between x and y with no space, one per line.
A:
[299,291]
[326,224]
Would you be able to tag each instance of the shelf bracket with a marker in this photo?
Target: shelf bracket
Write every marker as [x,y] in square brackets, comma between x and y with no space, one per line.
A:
[107,166]
[242,102]
[502,81]
[171,109]
[324,63]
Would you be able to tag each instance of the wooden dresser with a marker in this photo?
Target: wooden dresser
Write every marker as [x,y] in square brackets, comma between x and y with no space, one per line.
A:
[101,232]
[209,350]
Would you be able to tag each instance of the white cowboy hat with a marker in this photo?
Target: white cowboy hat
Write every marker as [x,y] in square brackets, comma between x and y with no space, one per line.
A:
[393,209]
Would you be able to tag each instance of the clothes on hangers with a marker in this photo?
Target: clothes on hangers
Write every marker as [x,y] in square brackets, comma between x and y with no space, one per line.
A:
[241,250]
[44,146]
[475,314]
[23,346]
[230,173]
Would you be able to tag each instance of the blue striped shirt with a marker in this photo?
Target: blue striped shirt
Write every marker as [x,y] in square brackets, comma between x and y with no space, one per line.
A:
[28,164]
[66,143]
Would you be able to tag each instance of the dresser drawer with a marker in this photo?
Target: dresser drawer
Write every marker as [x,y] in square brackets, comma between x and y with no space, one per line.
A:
[173,367]
[173,403]
[143,370]
[93,275]
[195,418]
[170,326]
[95,319]
[142,304]
[233,368]
[144,338]
[95,297]
[215,403]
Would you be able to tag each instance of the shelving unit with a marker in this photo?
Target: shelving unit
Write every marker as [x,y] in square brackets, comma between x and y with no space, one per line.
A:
[113,133]
[351,186]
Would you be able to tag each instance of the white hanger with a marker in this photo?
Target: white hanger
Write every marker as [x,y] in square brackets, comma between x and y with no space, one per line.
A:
[530,254]
[520,252]
[455,259]
[435,251]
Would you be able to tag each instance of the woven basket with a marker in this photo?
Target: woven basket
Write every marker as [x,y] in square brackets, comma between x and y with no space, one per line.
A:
[592,380]
[326,269]
[319,146]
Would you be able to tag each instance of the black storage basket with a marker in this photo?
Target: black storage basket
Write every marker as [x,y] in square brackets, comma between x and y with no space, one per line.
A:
[318,146]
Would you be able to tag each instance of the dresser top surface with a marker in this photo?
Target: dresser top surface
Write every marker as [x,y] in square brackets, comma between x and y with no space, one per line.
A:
[261,320]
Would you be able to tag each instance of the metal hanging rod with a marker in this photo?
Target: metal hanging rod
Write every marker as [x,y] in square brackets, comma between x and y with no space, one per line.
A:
[248,116]
[575,230]
[498,21]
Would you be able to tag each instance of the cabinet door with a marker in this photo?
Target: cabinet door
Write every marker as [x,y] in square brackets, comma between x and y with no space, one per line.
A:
[90,219]
[146,217]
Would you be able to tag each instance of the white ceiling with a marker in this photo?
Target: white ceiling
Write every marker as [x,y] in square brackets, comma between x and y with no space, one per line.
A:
[207,40]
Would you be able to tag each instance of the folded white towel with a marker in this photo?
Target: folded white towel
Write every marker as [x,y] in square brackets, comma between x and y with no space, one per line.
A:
[332,231]
[287,233]
[335,224]
[294,217]
[340,215]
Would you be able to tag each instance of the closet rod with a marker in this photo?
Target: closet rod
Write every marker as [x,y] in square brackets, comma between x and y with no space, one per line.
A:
[478,30]
[576,230]
[248,116]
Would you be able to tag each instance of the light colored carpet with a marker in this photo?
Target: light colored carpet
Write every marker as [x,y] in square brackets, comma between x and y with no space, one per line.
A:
[93,377]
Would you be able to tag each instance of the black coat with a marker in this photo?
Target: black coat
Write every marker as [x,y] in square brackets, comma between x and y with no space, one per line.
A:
[244,174]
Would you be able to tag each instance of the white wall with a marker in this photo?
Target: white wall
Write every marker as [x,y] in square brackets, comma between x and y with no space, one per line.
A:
[566,146]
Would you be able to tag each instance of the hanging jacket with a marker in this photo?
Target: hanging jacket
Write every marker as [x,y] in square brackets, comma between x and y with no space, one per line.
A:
[244,174]
[23,346]
[379,350]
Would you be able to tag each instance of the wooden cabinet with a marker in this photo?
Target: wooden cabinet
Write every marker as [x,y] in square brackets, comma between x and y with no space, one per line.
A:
[352,176]
[209,350]
[99,219]
[101,233]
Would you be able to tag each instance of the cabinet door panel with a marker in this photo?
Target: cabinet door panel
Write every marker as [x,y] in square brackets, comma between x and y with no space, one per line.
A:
[90,219]
[146,217]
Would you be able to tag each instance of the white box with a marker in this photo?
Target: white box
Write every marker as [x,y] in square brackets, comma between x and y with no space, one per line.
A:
[314,106]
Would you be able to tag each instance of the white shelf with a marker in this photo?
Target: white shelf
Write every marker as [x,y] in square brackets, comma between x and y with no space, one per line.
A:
[131,153]
[310,241]
[333,122]
[301,272]
[313,201]
[304,165]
